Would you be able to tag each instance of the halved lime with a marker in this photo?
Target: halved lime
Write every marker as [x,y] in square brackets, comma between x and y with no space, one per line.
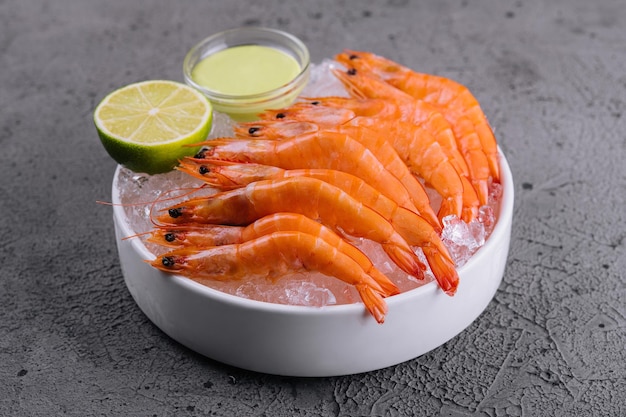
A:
[145,126]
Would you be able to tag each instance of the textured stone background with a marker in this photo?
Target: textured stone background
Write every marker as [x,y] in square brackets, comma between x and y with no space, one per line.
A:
[550,76]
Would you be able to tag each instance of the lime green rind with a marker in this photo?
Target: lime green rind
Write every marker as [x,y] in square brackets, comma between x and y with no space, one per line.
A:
[150,159]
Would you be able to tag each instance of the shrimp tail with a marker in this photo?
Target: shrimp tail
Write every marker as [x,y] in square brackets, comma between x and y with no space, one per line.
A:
[387,287]
[482,189]
[450,206]
[444,271]
[470,201]
[468,214]
[373,301]
[405,259]
[485,132]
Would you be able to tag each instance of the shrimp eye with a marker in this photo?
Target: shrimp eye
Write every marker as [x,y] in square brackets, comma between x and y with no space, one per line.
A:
[352,57]
[351,71]
[175,212]
[280,116]
[253,130]
[203,169]
[168,261]
[200,154]
[315,103]
[169,237]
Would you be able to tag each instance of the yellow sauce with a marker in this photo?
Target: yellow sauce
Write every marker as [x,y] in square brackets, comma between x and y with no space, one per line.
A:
[245,70]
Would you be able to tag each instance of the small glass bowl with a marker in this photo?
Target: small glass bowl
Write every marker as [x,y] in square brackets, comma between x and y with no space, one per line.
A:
[247,107]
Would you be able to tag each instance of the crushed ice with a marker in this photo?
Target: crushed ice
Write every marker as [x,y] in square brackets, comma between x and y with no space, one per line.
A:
[464,239]
[292,291]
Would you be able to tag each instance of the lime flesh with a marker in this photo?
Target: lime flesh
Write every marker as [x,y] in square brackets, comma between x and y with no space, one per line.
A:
[148,126]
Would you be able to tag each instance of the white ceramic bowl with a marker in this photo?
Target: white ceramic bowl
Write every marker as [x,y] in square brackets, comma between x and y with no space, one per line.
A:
[309,341]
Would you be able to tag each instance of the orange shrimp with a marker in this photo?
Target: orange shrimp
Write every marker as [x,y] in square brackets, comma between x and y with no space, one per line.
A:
[412,227]
[422,115]
[376,143]
[331,117]
[388,140]
[329,150]
[432,161]
[468,144]
[218,235]
[273,129]
[475,157]
[227,175]
[385,152]
[195,235]
[454,99]
[308,196]
[272,256]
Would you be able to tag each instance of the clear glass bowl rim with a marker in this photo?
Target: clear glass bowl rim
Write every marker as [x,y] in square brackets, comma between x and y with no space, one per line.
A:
[247,36]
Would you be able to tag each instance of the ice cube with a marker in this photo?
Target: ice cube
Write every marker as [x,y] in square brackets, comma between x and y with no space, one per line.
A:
[297,289]
[306,293]
[322,82]
[456,235]
[222,126]
[477,231]
[487,217]
[143,195]
[495,194]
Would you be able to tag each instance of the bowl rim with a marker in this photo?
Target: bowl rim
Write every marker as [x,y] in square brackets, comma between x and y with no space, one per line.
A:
[250,33]
[428,289]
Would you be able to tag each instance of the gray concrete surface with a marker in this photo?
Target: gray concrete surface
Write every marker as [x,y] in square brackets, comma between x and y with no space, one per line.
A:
[550,76]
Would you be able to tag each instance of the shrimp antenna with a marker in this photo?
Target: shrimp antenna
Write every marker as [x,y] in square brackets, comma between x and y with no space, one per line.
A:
[190,191]
[344,77]
[215,177]
[137,235]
